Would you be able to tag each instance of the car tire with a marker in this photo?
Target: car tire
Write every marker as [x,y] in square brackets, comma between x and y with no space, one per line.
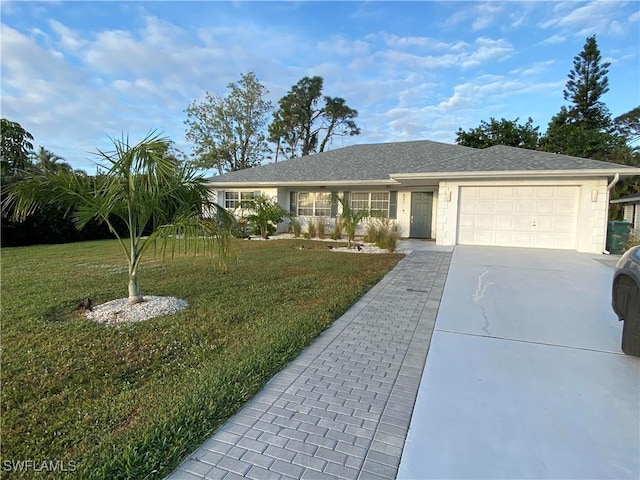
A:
[631,327]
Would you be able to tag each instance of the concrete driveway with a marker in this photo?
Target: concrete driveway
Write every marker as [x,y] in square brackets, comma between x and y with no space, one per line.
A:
[525,377]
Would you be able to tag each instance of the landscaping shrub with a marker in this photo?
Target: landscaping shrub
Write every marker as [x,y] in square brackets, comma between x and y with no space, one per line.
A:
[337,230]
[320,227]
[373,234]
[383,232]
[633,239]
[265,214]
[296,227]
[313,229]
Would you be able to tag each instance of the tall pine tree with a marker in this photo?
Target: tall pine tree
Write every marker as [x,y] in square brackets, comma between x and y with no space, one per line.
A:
[584,129]
[587,83]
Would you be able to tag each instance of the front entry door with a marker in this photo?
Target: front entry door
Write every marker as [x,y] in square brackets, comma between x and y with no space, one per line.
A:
[421,210]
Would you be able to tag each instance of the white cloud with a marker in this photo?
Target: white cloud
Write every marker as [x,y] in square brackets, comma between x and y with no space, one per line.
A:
[487,49]
[481,15]
[342,46]
[536,69]
[485,15]
[69,39]
[600,16]
[555,39]
[23,59]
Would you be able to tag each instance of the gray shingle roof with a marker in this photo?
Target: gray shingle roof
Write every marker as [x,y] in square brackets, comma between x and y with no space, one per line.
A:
[501,158]
[376,162]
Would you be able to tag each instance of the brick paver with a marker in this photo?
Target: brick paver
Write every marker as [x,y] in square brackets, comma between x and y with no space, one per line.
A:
[342,409]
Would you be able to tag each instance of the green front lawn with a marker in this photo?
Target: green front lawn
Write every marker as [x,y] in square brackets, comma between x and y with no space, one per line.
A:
[132,401]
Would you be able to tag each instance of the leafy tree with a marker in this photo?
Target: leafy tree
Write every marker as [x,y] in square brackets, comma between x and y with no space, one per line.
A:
[337,119]
[306,120]
[143,188]
[14,147]
[500,132]
[229,132]
[628,125]
[565,135]
[265,214]
[584,128]
[47,161]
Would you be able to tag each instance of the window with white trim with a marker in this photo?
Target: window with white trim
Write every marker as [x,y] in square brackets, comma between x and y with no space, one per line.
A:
[373,201]
[233,200]
[311,204]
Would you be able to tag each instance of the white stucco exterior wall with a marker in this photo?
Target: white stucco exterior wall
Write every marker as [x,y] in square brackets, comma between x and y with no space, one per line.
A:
[591,222]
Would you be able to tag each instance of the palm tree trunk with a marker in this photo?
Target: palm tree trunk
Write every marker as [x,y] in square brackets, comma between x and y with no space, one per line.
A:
[134,288]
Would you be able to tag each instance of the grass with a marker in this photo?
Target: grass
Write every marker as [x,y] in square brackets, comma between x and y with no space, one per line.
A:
[132,401]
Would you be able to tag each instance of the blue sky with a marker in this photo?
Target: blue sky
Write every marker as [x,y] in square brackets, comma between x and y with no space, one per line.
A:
[75,72]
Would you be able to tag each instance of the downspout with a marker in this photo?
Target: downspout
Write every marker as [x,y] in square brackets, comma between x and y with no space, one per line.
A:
[616,179]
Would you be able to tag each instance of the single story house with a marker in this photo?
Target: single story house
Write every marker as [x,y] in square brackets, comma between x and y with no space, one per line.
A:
[454,194]
[631,209]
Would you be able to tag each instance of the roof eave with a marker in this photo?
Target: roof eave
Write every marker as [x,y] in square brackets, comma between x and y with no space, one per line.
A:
[313,183]
[626,200]
[586,173]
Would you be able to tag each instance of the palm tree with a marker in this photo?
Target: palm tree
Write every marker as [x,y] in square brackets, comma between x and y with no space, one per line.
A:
[349,219]
[146,189]
[47,161]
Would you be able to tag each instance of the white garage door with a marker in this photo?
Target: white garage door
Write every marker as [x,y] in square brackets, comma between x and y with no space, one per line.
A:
[518,216]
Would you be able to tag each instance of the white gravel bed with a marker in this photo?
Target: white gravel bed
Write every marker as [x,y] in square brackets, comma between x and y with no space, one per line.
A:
[119,311]
[366,248]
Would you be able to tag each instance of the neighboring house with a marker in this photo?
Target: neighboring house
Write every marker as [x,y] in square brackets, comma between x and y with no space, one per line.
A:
[631,209]
[458,195]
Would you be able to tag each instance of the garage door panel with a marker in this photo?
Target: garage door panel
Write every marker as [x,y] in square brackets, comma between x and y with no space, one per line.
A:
[506,207]
[484,222]
[522,216]
[524,208]
[504,223]
[507,192]
[484,193]
[486,208]
[503,238]
[466,223]
[521,239]
[544,207]
[466,238]
[542,240]
[468,208]
[563,228]
[522,223]
[523,192]
[565,206]
[545,192]
[485,237]
[566,192]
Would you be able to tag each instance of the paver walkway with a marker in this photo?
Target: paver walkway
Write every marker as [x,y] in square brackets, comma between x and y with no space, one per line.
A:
[342,409]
